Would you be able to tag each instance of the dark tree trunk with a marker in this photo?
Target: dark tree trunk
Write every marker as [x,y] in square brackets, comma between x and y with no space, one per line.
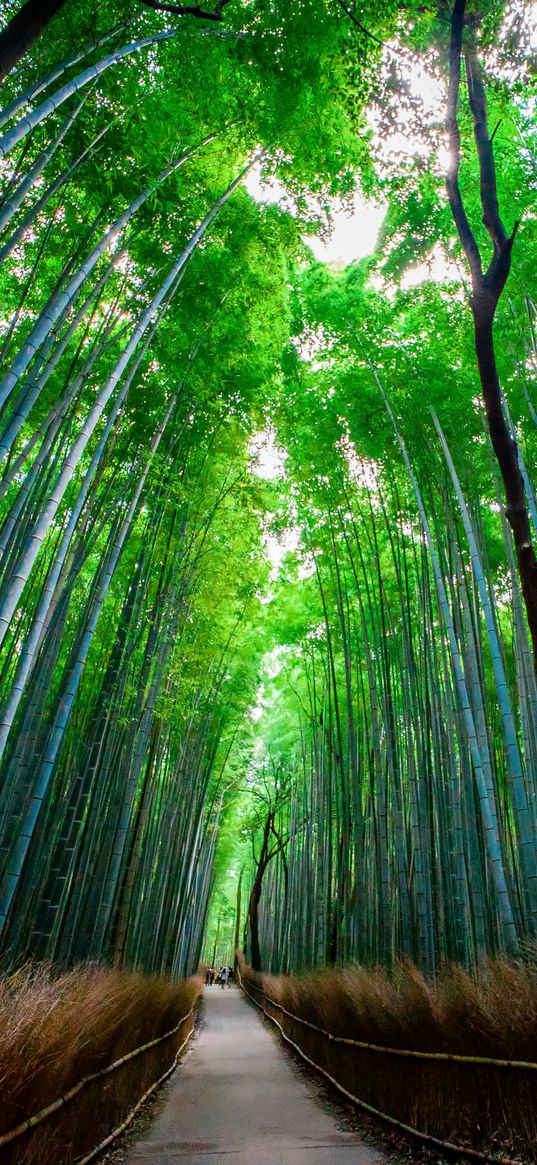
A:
[267,852]
[487,287]
[215,948]
[255,895]
[253,919]
[23,30]
[238,922]
[506,454]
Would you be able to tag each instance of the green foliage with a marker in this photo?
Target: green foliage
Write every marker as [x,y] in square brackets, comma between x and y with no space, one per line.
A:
[148,624]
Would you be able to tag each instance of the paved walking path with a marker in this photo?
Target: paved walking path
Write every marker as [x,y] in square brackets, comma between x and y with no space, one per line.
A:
[238,1100]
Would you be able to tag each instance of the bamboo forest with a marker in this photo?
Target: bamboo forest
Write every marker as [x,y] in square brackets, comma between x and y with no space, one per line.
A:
[268,527]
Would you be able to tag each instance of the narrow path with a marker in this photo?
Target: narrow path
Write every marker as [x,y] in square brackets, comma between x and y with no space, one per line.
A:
[237,1098]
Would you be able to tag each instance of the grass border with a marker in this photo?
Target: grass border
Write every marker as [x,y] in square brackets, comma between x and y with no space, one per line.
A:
[33,1121]
[427,1138]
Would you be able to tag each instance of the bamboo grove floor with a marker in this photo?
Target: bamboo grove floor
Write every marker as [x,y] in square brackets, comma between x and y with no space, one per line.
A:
[237,1098]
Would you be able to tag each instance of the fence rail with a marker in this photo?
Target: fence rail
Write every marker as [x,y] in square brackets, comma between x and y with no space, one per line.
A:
[427,1138]
[95,1152]
[448,1057]
[30,1123]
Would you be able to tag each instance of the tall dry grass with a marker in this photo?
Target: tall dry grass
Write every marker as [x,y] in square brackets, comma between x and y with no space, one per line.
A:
[56,1029]
[492,1013]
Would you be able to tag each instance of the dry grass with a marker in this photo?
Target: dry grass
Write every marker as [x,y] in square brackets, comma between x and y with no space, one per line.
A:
[491,1014]
[58,1028]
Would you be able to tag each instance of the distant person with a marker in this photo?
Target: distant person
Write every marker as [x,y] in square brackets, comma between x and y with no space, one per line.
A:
[224,976]
[209,977]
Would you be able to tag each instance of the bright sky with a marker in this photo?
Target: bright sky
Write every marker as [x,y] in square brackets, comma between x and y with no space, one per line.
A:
[354,232]
[268,460]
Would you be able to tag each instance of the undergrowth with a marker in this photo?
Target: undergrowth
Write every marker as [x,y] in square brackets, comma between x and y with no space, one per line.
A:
[56,1029]
[491,1013]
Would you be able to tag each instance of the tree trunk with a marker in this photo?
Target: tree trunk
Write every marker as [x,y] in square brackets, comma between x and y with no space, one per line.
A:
[23,29]
[506,452]
[487,287]
[255,895]
[253,919]
[238,922]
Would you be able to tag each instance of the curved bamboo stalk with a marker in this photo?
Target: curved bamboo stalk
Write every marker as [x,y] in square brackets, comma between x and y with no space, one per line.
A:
[16,198]
[40,203]
[37,87]
[30,122]
[61,301]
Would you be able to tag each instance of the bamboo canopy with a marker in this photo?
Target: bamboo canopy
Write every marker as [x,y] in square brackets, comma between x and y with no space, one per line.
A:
[298,702]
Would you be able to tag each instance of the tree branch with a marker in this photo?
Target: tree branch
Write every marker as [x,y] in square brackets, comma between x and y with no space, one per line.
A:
[458,211]
[500,264]
[187,9]
[487,170]
[358,23]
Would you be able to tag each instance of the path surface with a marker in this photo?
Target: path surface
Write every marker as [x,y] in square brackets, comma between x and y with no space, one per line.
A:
[238,1100]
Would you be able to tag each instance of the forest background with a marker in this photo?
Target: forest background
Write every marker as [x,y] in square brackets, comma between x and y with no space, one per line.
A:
[357,733]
